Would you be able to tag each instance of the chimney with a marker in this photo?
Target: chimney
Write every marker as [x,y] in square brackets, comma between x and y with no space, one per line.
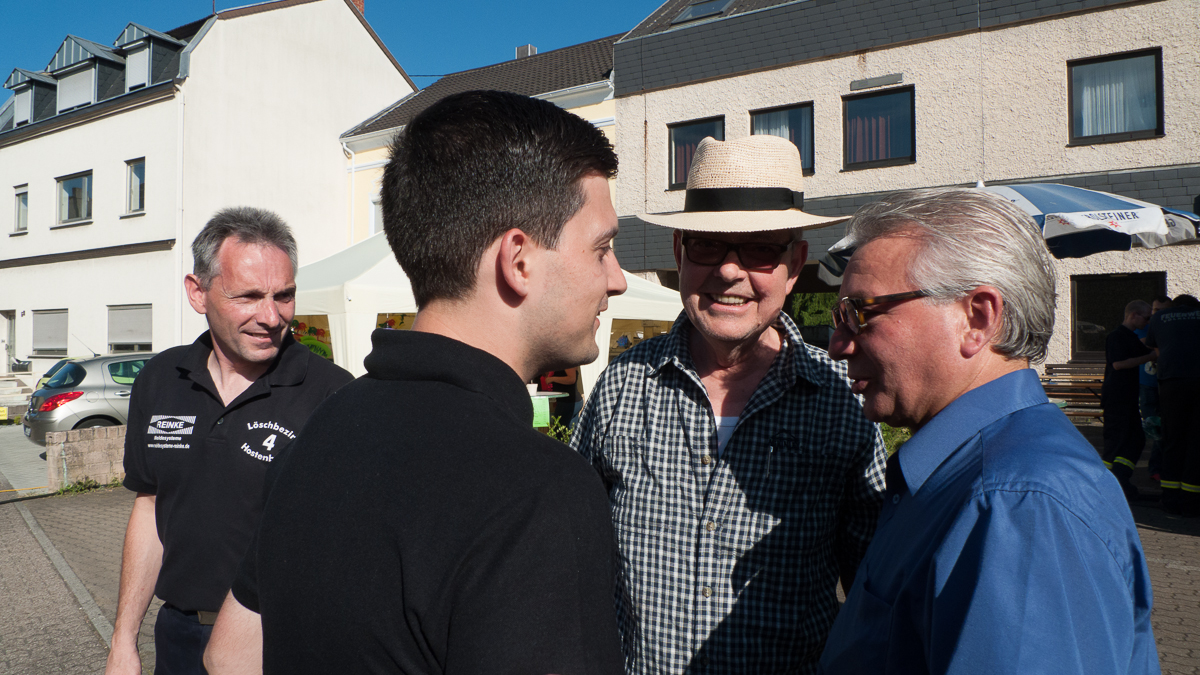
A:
[526,50]
[360,4]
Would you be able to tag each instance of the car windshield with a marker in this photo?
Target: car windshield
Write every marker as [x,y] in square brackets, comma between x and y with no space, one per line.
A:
[70,375]
[55,368]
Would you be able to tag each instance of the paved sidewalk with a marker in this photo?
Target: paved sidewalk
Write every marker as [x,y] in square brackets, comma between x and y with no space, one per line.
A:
[53,620]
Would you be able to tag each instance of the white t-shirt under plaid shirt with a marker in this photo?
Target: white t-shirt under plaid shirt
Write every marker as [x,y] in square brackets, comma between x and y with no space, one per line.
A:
[729,563]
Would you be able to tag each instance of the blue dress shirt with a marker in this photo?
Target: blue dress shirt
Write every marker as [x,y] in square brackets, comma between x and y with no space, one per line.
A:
[1004,546]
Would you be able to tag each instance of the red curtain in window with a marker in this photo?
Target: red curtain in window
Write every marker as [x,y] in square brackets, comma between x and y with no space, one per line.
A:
[870,138]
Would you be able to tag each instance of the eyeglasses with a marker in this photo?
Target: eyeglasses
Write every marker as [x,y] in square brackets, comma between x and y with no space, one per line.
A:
[849,311]
[757,256]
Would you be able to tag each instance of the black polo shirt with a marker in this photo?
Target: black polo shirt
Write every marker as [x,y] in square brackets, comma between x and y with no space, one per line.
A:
[206,462]
[444,536]
[1121,386]
[1176,334]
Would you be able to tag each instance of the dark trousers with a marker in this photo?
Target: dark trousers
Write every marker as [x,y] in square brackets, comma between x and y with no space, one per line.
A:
[1179,408]
[1148,403]
[179,642]
[1123,436]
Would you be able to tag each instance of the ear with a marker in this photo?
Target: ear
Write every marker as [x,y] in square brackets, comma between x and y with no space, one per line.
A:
[677,248]
[196,295]
[796,262]
[513,262]
[984,307]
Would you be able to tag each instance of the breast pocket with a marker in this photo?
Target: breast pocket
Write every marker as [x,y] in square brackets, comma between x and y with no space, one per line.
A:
[635,492]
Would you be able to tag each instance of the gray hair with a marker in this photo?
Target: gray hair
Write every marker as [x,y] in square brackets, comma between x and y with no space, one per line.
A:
[250,226]
[970,238]
[1138,307]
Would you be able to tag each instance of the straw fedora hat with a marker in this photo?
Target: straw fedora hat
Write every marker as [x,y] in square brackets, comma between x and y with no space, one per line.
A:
[750,184]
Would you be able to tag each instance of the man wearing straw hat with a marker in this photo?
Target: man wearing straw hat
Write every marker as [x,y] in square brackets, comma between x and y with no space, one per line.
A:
[743,478]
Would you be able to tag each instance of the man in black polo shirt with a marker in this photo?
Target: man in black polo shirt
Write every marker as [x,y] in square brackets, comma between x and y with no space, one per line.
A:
[446,535]
[1124,355]
[206,421]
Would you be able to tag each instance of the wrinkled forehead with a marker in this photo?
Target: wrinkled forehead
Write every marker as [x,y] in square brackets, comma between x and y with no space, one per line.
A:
[764,237]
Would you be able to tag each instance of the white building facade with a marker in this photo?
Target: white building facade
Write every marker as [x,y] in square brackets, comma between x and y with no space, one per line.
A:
[115,157]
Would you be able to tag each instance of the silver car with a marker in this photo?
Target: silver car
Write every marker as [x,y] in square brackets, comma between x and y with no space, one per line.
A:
[84,393]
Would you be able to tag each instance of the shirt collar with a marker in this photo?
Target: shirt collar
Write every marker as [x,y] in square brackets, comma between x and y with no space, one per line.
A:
[283,372]
[415,356]
[796,361]
[960,421]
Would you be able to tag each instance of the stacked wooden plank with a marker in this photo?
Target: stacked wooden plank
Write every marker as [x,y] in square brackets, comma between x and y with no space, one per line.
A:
[1076,387]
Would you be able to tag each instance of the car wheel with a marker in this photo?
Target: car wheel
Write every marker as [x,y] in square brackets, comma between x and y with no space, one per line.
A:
[96,422]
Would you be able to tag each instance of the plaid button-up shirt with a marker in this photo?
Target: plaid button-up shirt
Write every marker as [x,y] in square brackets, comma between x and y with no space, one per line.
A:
[730,563]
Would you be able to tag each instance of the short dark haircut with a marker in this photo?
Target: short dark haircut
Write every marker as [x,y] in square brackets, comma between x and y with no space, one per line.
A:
[250,226]
[1185,300]
[1162,299]
[473,166]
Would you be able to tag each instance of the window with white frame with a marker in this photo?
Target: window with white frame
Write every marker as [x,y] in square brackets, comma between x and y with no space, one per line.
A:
[76,89]
[129,328]
[21,217]
[794,123]
[50,332]
[23,106]
[685,139]
[1116,98]
[137,69]
[136,200]
[75,198]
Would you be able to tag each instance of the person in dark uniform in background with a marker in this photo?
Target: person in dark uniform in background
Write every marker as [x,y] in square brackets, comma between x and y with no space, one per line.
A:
[206,421]
[1124,355]
[1148,392]
[1175,333]
[564,382]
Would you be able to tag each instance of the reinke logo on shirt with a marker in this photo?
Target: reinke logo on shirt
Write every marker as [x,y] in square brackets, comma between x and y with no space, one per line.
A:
[175,425]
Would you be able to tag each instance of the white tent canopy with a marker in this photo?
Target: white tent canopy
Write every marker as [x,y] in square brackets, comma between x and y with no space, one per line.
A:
[353,287]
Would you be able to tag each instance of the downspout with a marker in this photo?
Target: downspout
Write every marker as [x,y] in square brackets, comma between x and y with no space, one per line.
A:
[179,244]
[350,153]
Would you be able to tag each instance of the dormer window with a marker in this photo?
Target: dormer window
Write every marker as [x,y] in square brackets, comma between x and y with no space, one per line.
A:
[137,68]
[702,10]
[77,89]
[23,106]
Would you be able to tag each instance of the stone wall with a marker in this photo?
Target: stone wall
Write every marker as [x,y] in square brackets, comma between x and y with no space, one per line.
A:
[72,456]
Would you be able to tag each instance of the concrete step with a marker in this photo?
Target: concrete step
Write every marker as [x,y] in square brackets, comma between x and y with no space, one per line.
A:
[12,401]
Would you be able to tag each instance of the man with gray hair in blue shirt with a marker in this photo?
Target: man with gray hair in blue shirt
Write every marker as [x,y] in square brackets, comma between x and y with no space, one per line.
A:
[1004,545]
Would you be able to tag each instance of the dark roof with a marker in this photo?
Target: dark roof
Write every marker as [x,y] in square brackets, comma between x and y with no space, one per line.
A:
[533,75]
[660,20]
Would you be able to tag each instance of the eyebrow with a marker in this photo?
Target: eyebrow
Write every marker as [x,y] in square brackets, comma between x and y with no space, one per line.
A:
[608,236]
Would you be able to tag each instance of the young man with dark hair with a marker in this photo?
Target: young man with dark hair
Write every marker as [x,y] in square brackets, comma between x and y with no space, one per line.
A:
[421,525]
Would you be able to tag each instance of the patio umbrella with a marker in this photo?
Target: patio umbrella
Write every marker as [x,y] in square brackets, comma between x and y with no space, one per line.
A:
[1075,222]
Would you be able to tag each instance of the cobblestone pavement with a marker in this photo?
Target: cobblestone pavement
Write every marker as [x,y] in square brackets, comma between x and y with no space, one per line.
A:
[45,627]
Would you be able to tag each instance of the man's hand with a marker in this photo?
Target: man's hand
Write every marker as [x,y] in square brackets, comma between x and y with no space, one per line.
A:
[140,562]
[235,647]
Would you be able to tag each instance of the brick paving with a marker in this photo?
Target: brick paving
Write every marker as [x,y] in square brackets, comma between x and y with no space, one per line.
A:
[44,628]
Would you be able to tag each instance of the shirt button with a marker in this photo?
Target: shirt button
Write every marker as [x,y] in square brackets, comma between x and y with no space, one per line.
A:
[710,526]
[706,459]
[706,592]
[895,499]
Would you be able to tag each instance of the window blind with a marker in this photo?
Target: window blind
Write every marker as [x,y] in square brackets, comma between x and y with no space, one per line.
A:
[76,89]
[129,324]
[50,329]
[137,69]
[23,107]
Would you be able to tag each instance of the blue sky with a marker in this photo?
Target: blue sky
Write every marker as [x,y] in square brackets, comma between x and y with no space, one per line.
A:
[427,38]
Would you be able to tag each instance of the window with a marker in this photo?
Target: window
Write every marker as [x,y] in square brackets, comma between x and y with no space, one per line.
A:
[125,372]
[879,129]
[1116,98]
[137,186]
[76,89]
[129,328]
[23,107]
[50,332]
[137,69]
[21,217]
[684,139]
[75,198]
[700,10]
[794,123]
[1098,307]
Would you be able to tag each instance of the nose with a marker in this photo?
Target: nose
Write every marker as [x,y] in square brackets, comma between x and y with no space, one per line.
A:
[730,268]
[616,278]
[268,313]
[841,344]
